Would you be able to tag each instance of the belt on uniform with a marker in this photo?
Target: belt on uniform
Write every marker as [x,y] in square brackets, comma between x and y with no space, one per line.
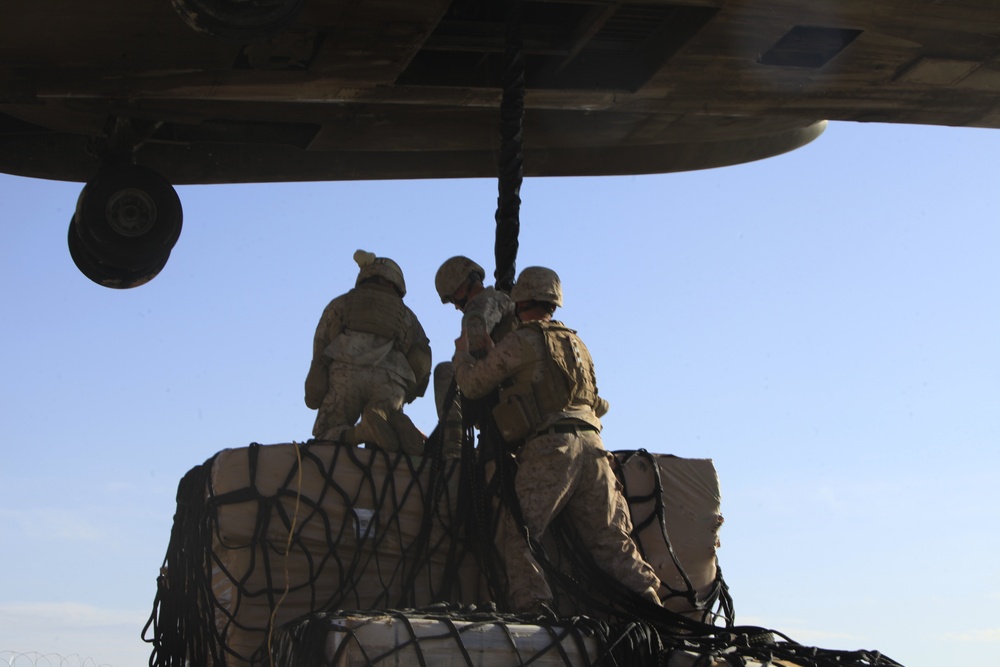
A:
[568,428]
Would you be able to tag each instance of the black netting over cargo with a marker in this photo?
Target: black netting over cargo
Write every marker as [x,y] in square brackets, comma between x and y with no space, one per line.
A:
[302,554]
[484,638]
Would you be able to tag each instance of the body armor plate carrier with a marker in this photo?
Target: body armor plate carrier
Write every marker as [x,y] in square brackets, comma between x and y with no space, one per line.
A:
[376,312]
[567,382]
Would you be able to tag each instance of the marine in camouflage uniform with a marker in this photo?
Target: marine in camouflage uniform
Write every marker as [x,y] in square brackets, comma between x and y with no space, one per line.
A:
[549,399]
[486,312]
[370,356]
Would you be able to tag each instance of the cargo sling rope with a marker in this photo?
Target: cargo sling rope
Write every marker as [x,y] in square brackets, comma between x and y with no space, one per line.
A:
[510,177]
[510,165]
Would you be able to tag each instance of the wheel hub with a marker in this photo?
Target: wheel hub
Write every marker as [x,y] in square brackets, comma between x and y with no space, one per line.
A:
[131,212]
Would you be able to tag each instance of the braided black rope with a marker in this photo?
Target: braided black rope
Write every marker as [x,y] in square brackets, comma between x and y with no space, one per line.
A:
[511,161]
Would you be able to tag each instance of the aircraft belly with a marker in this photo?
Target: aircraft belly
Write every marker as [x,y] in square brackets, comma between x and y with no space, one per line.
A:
[380,89]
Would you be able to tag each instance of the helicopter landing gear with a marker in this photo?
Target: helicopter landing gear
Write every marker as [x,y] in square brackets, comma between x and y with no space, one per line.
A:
[127,220]
[105,274]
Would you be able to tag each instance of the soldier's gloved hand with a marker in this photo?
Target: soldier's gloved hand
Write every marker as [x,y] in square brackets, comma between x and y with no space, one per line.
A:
[601,407]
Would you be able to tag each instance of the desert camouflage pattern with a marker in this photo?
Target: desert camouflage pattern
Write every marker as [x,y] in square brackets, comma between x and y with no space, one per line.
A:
[376,312]
[353,389]
[452,273]
[537,283]
[489,311]
[353,370]
[570,472]
[524,358]
[557,471]
[370,266]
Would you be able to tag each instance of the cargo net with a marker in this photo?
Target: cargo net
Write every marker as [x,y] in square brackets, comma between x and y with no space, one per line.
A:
[456,636]
[287,555]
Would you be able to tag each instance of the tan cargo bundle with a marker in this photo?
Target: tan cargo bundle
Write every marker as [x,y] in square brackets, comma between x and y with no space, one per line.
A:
[290,529]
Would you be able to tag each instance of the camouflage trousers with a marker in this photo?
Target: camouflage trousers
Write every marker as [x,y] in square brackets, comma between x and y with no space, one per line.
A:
[352,389]
[570,472]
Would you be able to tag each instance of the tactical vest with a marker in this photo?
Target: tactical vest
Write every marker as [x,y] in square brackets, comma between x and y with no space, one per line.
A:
[376,312]
[567,382]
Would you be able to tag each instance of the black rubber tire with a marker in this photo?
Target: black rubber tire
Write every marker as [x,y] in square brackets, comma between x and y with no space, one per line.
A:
[105,274]
[239,21]
[128,216]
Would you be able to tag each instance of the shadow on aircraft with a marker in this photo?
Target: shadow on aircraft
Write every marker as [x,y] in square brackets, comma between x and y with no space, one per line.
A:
[132,98]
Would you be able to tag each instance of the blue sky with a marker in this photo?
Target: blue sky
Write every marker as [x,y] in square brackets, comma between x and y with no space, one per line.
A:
[823,325]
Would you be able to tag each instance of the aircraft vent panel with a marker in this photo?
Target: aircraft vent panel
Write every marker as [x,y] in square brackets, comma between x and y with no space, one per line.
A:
[805,46]
[567,45]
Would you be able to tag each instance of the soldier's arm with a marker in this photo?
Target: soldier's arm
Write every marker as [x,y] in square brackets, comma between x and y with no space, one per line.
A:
[418,356]
[317,378]
[317,383]
[478,377]
[419,359]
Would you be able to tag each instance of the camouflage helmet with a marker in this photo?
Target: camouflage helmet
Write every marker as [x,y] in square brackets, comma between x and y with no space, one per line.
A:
[537,283]
[382,267]
[453,273]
